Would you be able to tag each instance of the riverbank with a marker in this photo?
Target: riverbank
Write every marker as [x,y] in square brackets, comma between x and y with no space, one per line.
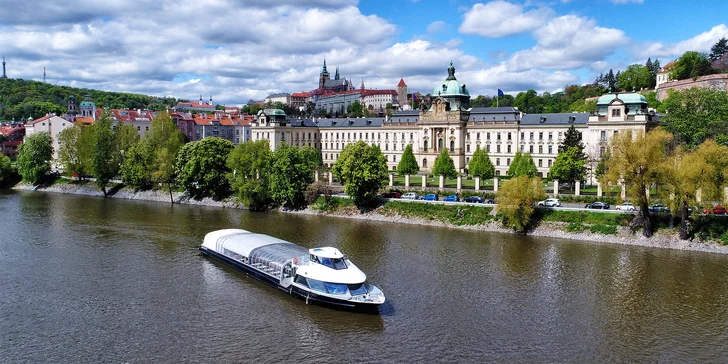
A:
[471,217]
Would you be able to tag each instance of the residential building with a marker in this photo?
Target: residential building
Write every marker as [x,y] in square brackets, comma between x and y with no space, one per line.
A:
[283,97]
[12,136]
[195,105]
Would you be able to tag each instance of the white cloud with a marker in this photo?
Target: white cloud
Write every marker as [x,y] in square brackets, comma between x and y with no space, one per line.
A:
[700,43]
[501,18]
[436,27]
[568,42]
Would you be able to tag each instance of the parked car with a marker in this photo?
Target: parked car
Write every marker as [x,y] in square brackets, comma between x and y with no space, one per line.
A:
[473,199]
[430,197]
[626,206]
[393,194]
[658,208]
[597,205]
[410,196]
[550,202]
[718,210]
[490,201]
[451,198]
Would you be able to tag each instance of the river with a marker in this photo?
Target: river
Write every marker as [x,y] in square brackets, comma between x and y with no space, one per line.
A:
[83,279]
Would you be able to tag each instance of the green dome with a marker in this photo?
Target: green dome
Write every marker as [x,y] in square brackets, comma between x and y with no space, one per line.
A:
[88,104]
[451,86]
[627,98]
[270,112]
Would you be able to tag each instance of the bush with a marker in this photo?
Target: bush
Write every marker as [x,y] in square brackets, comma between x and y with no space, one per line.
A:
[458,215]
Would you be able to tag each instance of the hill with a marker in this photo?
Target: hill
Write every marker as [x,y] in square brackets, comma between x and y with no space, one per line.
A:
[20,99]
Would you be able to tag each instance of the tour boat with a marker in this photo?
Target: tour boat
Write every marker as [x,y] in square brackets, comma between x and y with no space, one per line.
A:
[321,275]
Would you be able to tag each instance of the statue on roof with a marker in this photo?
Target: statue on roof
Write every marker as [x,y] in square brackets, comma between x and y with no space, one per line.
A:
[451,73]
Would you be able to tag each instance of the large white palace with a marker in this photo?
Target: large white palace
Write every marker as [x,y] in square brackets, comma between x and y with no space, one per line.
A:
[446,121]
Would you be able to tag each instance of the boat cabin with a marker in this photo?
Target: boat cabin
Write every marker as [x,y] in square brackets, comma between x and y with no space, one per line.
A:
[328,257]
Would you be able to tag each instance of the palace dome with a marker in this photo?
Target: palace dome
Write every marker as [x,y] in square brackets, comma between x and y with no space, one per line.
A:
[627,98]
[451,86]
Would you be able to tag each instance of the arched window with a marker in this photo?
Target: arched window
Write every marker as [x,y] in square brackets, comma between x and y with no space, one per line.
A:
[452,146]
[424,163]
[425,144]
[440,144]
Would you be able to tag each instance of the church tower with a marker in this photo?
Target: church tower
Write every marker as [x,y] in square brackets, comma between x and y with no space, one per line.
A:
[336,76]
[323,76]
[362,85]
[4,74]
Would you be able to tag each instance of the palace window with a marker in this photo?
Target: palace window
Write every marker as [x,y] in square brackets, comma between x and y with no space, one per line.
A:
[531,135]
[477,136]
[540,149]
[616,113]
[551,136]
[509,135]
[521,148]
[540,162]
[603,136]
[425,145]
[530,149]
[487,148]
[497,161]
[523,135]
[499,138]
[508,162]
[540,135]
[497,148]
[509,149]
[487,136]
[452,146]
[467,148]
[550,163]
[551,149]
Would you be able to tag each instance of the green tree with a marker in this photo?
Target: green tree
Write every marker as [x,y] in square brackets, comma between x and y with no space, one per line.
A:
[652,100]
[572,139]
[522,165]
[696,114]
[34,157]
[355,109]
[637,160]
[104,153]
[704,169]
[634,78]
[166,140]
[480,165]
[7,172]
[408,163]
[601,169]
[363,171]
[126,137]
[582,106]
[516,199]
[568,167]
[250,164]
[136,170]
[719,49]
[74,151]
[292,171]
[444,166]
[691,65]
[202,168]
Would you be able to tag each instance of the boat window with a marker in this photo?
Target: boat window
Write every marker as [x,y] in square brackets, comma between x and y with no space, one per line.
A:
[336,288]
[334,263]
[301,280]
[316,285]
[358,289]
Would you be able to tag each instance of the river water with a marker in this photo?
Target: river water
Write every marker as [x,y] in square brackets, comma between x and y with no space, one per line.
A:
[84,279]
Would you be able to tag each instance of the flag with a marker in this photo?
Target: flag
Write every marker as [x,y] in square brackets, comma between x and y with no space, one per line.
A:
[414,96]
[500,93]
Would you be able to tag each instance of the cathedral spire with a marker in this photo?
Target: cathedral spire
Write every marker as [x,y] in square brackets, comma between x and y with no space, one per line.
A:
[324,71]
[362,84]
[336,77]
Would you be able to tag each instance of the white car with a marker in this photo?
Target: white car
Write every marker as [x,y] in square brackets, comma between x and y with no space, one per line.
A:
[410,196]
[550,202]
[626,206]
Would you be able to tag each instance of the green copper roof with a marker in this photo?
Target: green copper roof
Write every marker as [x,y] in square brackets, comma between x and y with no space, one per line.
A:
[272,112]
[88,103]
[451,86]
[627,98]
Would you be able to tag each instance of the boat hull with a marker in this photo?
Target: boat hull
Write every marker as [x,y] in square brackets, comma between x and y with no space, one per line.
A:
[308,296]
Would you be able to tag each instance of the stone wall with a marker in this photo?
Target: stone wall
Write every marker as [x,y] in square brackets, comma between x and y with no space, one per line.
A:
[717,82]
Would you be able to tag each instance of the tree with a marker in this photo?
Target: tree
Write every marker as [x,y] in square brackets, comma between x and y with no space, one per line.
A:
[516,199]
[572,139]
[719,49]
[634,78]
[34,157]
[568,166]
[202,169]
[104,153]
[126,137]
[166,140]
[480,165]
[611,81]
[250,164]
[522,165]
[691,65]
[444,166]
[601,169]
[74,151]
[652,100]
[636,161]
[7,172]
[696,114]
[408,163]
[481,101]
[136,170]
[363,171]
[704,169]
[292,170]
[355,109]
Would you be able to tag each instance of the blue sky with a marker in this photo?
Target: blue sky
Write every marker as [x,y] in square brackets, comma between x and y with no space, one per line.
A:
[236,50]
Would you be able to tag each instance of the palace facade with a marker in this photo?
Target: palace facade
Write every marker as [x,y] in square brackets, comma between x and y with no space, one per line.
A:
[446,121]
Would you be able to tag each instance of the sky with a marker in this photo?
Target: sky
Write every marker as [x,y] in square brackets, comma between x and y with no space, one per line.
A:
[237,50]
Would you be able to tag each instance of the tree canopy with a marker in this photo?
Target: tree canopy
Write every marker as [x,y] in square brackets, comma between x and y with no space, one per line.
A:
[104,153]
[34,157]
[516,199]
[480,164]
[522,165]
[363,171]
[250,164]
[568,166]
[408,163]
[74,151]
[444,165]
[691,65]
[7,172]
[202,169]
[697,114]
[291,173]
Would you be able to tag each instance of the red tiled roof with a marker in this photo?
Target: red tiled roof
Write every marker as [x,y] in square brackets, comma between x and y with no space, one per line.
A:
[379,92]
[401,83]
[301,94]
[88,120]
[36,121]
[668,66]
